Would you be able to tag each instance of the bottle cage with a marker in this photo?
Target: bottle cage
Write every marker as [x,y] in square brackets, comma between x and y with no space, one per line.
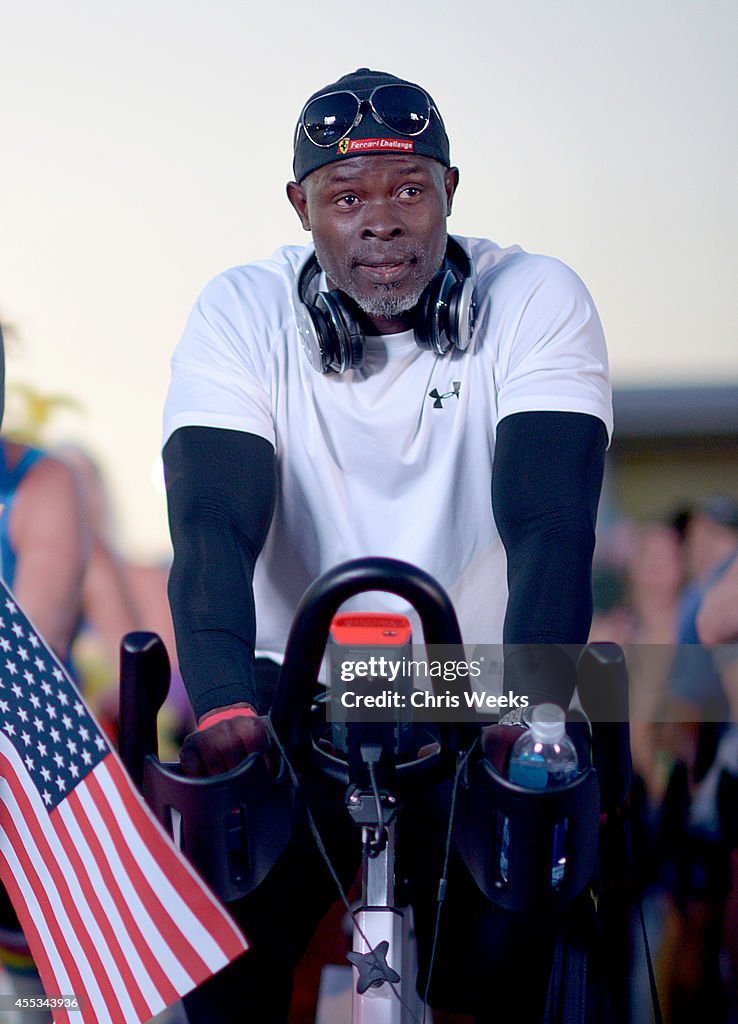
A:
[233,827]
[486,799]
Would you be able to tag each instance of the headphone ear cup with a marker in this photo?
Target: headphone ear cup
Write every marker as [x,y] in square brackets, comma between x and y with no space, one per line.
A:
[444,317]
[432,316]
[315,336]
[343,339]
[422,319]
[461,310]
[328,329]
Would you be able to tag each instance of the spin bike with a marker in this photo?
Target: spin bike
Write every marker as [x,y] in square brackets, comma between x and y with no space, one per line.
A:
[234,826]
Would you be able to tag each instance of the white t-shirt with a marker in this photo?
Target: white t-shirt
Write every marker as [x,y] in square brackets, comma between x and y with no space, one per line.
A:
[393,458]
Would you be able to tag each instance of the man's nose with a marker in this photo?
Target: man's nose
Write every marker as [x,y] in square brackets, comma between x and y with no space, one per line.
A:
[382,220]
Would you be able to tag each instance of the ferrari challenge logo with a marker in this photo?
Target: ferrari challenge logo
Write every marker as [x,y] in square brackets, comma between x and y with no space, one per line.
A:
[375,146]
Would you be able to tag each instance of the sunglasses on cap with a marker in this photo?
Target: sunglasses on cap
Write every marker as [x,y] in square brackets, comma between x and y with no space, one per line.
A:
[404,109]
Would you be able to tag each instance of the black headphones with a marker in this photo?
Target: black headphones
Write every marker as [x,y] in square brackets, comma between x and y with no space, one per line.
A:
[333,340]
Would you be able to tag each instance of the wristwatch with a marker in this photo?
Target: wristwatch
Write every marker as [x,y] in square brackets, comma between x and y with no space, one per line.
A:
[517,716]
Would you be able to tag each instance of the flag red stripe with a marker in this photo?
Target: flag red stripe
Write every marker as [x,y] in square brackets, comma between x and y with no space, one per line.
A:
[29,870]
[198,899]
[166,989]
[27,921]
[184,951]
[140,1003]
[68,899]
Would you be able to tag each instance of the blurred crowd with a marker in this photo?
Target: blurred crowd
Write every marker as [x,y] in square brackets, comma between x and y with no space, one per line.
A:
[667,591]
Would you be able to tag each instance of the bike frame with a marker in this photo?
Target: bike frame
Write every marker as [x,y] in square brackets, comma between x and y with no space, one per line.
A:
[384,963]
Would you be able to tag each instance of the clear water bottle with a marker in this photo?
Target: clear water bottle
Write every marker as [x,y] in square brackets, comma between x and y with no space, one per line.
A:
[543,756]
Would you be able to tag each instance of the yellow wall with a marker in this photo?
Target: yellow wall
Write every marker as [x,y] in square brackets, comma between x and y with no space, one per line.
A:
[651,478]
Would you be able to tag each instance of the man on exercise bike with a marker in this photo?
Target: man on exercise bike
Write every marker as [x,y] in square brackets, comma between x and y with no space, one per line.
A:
[388,390]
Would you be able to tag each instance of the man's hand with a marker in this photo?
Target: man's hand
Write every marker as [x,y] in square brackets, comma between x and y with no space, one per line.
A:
[233,733]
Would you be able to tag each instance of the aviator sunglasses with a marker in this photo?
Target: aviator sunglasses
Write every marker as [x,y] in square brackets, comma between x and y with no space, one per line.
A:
[404,109]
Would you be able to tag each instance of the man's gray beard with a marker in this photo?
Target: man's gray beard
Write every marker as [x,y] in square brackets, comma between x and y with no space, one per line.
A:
[385,301]
[386,304]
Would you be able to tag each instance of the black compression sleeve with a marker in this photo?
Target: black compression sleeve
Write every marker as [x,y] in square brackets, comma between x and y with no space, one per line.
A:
[546,485]
[221,487]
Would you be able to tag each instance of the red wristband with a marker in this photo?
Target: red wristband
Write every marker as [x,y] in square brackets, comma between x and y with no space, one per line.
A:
[223,716]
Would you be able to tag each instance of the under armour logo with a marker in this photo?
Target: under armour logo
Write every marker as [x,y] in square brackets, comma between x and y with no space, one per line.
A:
[438,403]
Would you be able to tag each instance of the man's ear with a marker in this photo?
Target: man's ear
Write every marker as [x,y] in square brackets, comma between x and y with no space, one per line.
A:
[451,182]
[298,197]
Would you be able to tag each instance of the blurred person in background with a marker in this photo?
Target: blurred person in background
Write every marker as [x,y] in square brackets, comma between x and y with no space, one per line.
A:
[636,599]
[656,580]
[120,596]
[636,593]
[711,540]
[717,626]
[717,618]
[108,607]
[43,540]
[612,617]
[43,554]
[695,689]
[704,745]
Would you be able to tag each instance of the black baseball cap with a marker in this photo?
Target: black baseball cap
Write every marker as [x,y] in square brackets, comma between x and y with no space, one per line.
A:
[370,135]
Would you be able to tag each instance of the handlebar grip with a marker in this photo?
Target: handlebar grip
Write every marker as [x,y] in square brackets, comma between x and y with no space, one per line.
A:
[309,634]
[144,685]
[602,683]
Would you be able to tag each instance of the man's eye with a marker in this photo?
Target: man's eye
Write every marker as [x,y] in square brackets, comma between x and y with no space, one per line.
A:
[411,191]
[348,200]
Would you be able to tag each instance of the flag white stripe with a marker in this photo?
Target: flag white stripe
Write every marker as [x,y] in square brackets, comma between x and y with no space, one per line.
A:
[197,879]
[160,949]
[46,879]
[89,918]
[188,923]
[127,948]
[65,987]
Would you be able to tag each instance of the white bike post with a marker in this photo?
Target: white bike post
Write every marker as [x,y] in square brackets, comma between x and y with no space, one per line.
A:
[384,962]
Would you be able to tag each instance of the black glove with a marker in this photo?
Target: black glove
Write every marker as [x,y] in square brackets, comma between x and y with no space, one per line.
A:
[224,738]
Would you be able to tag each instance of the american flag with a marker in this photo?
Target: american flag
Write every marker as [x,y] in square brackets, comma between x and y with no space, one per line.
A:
[112,912]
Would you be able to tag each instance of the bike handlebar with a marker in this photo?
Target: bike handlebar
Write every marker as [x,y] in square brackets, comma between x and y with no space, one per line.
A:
[144,685]
[309,636]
